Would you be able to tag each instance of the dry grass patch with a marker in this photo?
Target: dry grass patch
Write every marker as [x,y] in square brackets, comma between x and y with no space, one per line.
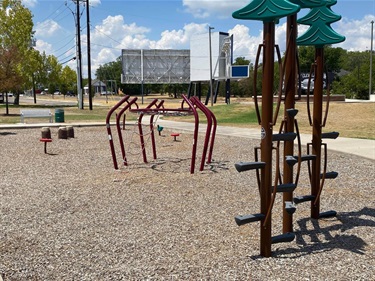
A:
[353,120]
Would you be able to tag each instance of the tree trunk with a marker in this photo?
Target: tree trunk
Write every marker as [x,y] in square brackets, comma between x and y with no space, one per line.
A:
[6,104]
[16,98]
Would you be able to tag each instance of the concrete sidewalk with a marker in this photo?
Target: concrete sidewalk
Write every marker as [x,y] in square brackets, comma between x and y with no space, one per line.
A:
[361,147]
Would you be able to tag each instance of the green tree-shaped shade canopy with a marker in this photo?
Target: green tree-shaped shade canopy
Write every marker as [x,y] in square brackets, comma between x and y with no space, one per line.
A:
[320,32]
[309,3]
[266,10]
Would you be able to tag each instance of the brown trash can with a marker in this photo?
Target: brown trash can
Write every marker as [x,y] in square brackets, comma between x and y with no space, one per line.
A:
[46,133]
[70,131]
[62,133]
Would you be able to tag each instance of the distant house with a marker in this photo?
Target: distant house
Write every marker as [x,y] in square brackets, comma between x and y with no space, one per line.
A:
[97,85]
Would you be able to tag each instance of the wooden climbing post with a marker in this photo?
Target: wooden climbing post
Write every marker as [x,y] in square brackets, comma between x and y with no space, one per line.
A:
[290,90]
[266,133]
[317,129]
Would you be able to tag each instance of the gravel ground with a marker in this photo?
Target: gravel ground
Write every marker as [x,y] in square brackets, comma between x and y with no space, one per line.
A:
[68,215]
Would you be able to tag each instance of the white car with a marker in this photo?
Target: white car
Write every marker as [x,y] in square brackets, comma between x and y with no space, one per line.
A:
[107,93]
[304,84]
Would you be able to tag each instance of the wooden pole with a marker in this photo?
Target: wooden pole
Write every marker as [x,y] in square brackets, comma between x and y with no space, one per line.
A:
[79,58]
[89,54]
[290,90]
[266,142]
[317,129]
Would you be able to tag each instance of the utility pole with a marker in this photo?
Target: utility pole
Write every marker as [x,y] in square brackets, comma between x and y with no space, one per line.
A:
[32,45]
[372,39]
[89,54]
[211,84]
[79,57]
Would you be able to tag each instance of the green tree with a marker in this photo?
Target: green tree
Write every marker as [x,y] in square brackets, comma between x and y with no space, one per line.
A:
[306,56]
[10,76]
[242,87]
[41,73]
[334,58]
[54,69]
[241,61]
[31,71]
[15,37]
[110,71]
[354,83]
[68,80]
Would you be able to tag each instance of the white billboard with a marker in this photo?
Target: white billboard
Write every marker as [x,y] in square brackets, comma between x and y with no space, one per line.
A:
[155,66]
[221,50]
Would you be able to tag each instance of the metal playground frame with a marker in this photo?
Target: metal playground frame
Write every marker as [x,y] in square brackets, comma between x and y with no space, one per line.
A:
[188,106]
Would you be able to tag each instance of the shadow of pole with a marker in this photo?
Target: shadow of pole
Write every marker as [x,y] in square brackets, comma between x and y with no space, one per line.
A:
[309,241]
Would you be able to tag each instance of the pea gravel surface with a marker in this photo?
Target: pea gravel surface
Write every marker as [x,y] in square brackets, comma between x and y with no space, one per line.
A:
[69,215]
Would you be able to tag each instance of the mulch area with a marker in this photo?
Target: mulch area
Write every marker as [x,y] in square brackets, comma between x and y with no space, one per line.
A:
[68,215]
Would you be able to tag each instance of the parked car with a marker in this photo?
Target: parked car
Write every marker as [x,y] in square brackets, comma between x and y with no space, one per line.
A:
[304,85]
[2,96]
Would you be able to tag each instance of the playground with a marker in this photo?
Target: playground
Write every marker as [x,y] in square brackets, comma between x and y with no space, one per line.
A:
[68,215]
[167,207]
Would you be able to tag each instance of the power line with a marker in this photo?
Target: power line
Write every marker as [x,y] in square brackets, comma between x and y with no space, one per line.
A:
[66,51]
[53,13]
[68,60]
[107,36]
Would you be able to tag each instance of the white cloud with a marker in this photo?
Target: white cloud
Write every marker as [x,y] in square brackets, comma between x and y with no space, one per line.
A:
[105,55]
[178,39]
[43,46]
[247,46]
[134,42]
[244,45]
[357,33]
[113,29]
[194,28]
[95,3]
[30,3]
[109,37]
[47,28]
[207,8]
[280,37]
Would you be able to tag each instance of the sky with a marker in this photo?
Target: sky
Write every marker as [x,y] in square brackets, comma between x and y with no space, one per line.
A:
[154,24]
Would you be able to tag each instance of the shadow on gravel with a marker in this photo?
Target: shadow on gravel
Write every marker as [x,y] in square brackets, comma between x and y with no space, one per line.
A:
[7,133]
[312,238]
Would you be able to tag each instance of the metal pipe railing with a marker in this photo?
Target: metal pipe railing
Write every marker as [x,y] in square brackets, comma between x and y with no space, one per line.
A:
[109,132]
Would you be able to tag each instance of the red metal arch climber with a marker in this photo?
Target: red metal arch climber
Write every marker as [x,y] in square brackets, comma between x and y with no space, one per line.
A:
[188,106]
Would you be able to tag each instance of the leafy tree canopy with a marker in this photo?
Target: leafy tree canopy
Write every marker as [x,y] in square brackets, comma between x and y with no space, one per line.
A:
[241,61]
[15,39]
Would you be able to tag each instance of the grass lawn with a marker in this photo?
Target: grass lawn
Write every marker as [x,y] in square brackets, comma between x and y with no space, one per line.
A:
[354,120]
